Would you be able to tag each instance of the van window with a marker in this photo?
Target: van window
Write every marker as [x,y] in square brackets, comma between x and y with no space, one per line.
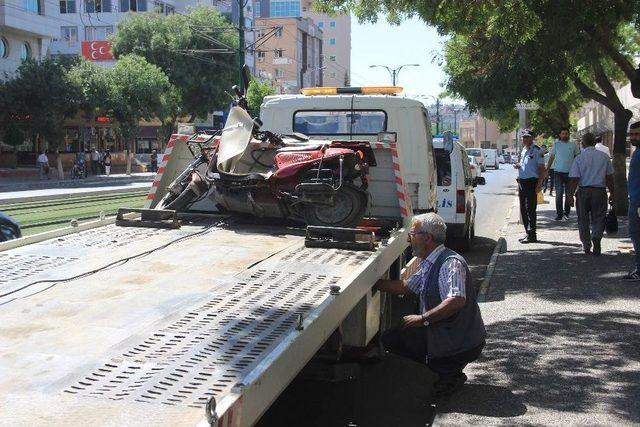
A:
[443,166]
[475,152]
[340,122]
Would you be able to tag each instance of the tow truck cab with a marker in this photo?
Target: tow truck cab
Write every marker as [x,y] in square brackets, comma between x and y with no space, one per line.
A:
[366,114]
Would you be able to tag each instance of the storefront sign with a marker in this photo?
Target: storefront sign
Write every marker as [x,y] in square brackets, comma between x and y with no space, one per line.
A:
[97,50]
[103,119]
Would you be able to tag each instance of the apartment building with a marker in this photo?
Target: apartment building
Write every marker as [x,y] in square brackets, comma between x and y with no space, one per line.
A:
[291,58]
[336,35]
[26,28]
[481,132]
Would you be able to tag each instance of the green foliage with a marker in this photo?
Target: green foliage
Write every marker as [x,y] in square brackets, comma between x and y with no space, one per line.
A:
[40,97]
[12,135]
[201,78]
[136,91]
[93,83]
[255,94]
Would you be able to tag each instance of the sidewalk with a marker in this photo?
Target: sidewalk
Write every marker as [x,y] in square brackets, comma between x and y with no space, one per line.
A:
[563,343]
[24,184]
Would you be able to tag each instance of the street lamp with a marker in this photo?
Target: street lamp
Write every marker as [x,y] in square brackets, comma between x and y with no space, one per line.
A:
[437,99]
[394,72]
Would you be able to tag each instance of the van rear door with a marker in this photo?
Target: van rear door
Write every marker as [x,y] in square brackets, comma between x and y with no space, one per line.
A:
[446,180]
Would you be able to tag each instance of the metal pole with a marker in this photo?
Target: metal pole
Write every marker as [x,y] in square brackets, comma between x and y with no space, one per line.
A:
[437,115]
[241,44]
[393,77]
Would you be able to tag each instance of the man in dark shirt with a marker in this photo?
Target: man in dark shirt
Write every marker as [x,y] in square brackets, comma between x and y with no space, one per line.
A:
[634,200]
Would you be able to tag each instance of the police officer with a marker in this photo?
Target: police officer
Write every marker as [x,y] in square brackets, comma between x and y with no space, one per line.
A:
[531,173]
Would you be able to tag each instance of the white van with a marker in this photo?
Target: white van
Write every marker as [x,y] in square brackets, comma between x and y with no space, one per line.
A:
[456,198]
[491,158]
[479,155]
[325,114]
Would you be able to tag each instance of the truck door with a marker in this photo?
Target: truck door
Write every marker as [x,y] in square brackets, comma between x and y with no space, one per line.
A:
[446,185]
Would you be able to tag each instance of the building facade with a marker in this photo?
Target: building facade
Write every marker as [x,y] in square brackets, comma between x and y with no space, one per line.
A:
[336,36]
[291,58]
[26,29]
[481,132]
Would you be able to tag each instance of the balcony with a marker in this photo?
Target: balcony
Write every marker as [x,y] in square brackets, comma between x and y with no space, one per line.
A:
[14,16]
[64,47]
[282,61]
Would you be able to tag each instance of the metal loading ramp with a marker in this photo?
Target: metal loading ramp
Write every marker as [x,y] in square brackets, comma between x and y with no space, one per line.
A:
[218,328]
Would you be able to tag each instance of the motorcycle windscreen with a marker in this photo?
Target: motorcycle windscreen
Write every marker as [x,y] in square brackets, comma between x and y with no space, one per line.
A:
[234,141]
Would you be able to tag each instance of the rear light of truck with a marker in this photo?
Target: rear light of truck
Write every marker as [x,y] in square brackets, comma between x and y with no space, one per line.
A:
[460,202]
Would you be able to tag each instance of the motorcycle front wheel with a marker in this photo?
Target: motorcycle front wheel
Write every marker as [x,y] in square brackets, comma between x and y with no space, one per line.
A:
[348,210]
[181,202]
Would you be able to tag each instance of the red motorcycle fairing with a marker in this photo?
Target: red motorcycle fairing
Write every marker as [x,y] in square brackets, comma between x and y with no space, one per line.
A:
[289,164]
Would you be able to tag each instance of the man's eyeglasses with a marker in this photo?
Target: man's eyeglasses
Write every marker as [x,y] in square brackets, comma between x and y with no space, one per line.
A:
[412,234]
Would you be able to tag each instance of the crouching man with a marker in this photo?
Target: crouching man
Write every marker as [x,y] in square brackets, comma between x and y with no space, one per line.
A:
[447,333]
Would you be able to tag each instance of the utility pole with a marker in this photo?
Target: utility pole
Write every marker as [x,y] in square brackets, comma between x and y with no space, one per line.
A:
[241,44]
[437,116]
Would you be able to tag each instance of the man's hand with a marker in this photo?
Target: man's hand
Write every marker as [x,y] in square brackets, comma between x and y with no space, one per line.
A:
[516,166]
[572,200]
[611,199]
[412,321]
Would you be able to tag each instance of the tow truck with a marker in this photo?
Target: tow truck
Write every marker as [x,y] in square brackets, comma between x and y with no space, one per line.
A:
[204,324]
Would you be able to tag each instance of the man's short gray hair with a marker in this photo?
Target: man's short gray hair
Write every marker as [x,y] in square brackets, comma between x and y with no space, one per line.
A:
[433,224]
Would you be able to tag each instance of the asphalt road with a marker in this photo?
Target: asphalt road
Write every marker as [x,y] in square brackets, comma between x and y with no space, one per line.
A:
[394,391]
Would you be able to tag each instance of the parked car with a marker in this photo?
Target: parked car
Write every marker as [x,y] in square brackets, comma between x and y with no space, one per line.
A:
[9,229]
[479,155]
[491,158]
[456,198]
[507,158]
[501,159]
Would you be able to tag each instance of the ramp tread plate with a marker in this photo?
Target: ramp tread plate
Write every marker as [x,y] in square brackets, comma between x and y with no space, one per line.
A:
[210,348]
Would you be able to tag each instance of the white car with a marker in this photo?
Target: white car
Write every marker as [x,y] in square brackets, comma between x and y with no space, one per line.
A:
[491,158]
[456,198]
[479,155]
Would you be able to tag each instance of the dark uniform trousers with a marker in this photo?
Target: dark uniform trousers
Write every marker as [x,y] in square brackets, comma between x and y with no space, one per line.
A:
[528,203]
[412,344]
[591,205]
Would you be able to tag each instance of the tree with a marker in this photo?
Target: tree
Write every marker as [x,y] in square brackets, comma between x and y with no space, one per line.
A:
[531,49]
[136,90]
[93,84]
[255,94]
[183,46]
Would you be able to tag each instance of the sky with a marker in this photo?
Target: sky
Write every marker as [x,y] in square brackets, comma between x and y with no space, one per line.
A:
[413,42]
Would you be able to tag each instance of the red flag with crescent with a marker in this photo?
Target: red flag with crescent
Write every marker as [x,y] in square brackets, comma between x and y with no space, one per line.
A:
[97,50]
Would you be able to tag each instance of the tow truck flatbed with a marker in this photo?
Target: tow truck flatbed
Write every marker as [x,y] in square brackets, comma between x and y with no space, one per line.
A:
[209,311]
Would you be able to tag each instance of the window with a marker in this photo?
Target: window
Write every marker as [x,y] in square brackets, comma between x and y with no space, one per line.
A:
[93,6]
[133,5]
[261,54]
[320,24]
[25,51]
[4,48]
[332,41]
[336,122]
[69,34]
[278,32]
[98,33]
[277,53]
[284,8]
[332,58]
[332,24]
[33,6]
[67,6]
[169,10]
[443,166]
[332,75]
[258,9]
[279,72]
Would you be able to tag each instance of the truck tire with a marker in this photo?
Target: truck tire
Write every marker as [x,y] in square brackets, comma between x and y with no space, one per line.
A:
[348,210]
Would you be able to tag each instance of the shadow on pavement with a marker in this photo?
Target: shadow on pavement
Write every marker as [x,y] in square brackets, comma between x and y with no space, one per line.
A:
[577,362]
[495,401]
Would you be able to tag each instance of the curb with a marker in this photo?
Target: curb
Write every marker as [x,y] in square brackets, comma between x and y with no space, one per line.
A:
[485,286]
[105,192]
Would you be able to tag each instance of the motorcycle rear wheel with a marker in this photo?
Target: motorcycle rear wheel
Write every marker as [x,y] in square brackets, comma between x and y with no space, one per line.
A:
[181,202]
[348,210]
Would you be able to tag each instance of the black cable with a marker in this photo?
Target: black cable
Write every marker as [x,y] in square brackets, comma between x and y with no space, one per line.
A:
[97,270]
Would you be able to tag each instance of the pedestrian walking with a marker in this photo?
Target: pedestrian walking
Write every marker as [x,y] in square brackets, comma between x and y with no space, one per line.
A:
[95,158]
[633,182]
[42,162]
[561,159]
[154,161]
[547,182]
[591,174]
[601,147]
[531,172]
[106,161]
[447,332]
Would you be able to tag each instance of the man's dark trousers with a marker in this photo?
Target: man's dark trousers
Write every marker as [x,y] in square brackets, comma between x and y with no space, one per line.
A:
[591,205]
[528,203]
[412,344]
[562,189]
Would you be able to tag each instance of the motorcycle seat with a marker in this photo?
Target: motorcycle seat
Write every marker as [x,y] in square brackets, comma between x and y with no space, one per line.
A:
[299,147]
[243,177]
